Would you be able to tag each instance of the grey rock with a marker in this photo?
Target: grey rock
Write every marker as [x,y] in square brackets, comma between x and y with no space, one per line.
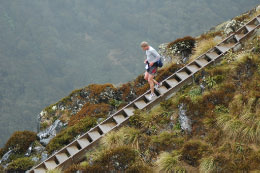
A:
[29,150]
[228,31]
[258,8]
[202,87]
[6,156]
[35,159]
[44,156]
[46,135]
[237,47]
[45,141]
[258,32]
[217,39]
[232,26]
[38,149]
[184,120]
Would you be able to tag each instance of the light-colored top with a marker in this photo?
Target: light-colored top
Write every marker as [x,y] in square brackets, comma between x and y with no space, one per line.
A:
[152,55]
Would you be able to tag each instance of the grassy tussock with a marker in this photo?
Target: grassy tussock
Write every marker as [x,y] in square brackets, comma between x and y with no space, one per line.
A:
[169,162]
[125,136]
[55,171]
[202,47]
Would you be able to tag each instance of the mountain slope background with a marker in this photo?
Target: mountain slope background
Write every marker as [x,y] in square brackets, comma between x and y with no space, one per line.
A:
[48,48]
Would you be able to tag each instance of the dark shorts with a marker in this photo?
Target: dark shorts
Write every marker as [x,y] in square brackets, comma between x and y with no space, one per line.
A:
[152,70]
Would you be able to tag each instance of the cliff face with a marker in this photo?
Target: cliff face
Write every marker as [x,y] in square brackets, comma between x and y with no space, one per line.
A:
[210,125]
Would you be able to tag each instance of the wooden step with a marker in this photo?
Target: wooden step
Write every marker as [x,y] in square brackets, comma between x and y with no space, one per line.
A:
[50,164]
[250,27]
[258,18]
[202,62]
[40,170]
[147,96]
[212,55]
[172,82]
[239,36]
[94,135]
[129,111]
[193,68]
[61,157]
[107,126]
[140,104]
[223,49]
[162,90]
[72,150]
[83,142]
[183,75]
[119,118]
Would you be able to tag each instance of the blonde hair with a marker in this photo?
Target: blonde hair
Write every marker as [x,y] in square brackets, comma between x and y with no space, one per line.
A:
[144,44]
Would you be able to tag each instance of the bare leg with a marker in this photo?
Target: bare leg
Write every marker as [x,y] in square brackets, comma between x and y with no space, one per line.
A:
[146,76]
[155,81]
[151,82]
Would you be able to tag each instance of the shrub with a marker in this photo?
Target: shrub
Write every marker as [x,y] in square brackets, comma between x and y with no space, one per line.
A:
[68,134]
[116,159]
[166,140]
[170,162]
[184,39]
[136,119]
[20,141]
[165,72]
[2,152]
[125,89]
[73,168]
[210,81]
[20,164]
[221,109]
[182,45]
[96,89]
[166,104]
[139,168]
[95,110]
[193,151]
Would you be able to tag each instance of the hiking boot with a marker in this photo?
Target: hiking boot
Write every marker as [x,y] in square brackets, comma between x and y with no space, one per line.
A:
[151,96]
[157,86]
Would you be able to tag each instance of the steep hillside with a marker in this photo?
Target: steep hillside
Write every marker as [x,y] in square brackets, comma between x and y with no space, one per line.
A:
[50,47]
[208,126]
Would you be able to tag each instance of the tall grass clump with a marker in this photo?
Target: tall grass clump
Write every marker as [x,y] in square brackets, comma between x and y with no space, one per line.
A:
[169,162]
[202,47]
[215,163]
[55,171]
[124,136]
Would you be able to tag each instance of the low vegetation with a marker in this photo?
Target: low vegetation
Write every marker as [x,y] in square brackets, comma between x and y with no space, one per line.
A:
[68,135]
[20,165]
[222,103]
[225,120]
[18,143]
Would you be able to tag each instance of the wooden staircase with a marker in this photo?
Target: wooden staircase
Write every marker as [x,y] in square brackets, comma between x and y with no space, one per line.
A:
[75,151]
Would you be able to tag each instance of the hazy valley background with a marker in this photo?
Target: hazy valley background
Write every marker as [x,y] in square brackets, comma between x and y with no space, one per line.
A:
[50,47]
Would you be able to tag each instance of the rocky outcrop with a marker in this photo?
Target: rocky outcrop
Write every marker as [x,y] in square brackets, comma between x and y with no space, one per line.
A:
[232,26]
[178,50]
